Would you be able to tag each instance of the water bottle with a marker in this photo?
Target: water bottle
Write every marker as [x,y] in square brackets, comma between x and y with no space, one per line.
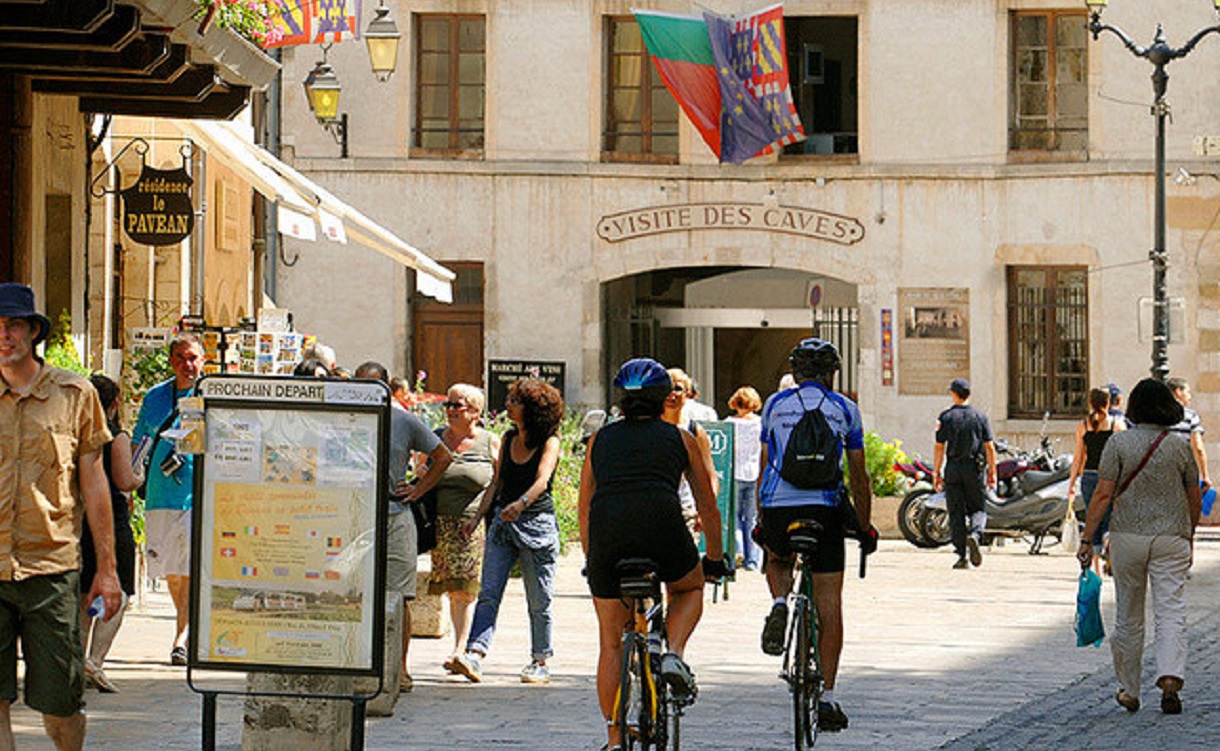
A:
[97,608]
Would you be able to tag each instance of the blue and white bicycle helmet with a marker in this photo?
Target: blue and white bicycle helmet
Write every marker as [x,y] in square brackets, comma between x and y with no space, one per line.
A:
[644,378]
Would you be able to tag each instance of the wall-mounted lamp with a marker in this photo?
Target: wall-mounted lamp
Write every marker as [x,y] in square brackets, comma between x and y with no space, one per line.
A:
[322,87]
[322,90]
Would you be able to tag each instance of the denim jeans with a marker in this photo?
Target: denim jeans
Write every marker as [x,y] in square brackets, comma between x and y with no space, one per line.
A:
[505,546]
[1088,484]
[747,517]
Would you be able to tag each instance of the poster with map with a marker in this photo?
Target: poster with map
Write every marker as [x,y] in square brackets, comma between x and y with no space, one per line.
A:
[287,524]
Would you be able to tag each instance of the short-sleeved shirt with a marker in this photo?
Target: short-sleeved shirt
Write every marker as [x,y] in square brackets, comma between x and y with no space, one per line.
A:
[963,429]
[780,415]
[43,434]
[1154,503]
[1190,422]
[747,446]
[175,491]
[407,433]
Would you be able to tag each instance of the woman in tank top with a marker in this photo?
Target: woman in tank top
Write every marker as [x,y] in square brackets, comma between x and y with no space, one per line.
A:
[521,526]
[1091,435]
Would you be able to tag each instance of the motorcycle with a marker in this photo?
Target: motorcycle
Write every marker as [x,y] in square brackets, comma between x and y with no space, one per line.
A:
[1031,500]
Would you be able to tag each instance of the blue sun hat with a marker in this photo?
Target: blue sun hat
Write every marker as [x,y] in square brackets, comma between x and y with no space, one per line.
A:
[17,301]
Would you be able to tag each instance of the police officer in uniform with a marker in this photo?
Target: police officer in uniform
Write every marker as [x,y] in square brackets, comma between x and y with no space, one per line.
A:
[964,449]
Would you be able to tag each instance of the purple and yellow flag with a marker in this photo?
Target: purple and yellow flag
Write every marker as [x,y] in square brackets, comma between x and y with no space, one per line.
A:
[317,21]
[730,77]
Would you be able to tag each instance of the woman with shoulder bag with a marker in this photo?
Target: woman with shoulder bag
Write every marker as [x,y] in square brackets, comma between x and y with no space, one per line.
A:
[1149,475]
[521,526]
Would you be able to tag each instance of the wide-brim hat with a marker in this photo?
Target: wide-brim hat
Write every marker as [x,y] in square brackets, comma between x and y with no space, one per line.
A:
[17,301]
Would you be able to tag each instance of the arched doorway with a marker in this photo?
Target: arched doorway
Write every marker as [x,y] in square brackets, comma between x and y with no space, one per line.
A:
[728,326]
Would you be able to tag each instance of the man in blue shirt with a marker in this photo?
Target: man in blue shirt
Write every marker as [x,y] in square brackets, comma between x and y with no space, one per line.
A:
[814,364]
[171,477]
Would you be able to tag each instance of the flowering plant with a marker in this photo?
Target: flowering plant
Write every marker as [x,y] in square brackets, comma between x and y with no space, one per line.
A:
[253,19]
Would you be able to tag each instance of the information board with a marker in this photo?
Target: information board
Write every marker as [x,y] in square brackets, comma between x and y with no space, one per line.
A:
[288,554]
[721,434]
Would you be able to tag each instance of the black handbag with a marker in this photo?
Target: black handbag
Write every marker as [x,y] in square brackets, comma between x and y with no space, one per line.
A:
[424,511]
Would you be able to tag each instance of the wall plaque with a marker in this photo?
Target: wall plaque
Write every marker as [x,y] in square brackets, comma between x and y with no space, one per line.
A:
[502,373]
[934,340]
[791,220]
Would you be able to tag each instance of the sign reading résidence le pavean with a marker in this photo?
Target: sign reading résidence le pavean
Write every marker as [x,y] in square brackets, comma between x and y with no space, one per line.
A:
[792,220]
[157,210]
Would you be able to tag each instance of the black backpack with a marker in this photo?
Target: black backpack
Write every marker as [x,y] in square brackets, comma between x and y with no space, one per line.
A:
[813,457]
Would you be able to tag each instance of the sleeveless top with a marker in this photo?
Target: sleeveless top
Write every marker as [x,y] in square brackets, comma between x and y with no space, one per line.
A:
[460,489]
[1094,442]
[640,458]
[516,478]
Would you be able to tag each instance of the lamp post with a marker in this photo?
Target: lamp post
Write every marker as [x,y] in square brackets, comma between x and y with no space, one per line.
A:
[1160,54]
[322,87]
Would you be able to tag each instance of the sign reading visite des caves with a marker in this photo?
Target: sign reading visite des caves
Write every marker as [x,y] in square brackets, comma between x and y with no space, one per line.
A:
[792,220]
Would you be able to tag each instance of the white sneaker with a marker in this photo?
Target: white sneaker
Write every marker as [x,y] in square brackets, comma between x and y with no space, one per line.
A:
[536,672]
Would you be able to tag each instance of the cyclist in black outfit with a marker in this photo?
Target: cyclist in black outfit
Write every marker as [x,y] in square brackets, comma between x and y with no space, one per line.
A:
[629,508]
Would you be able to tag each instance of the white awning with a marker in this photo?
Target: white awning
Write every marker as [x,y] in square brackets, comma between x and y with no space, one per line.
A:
[302,202]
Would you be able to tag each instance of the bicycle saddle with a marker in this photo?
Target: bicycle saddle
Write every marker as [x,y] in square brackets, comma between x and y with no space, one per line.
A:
[637,577]
[803,535]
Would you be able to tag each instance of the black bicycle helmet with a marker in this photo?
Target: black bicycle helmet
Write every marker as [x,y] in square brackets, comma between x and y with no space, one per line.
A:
[644,378]
[814,356]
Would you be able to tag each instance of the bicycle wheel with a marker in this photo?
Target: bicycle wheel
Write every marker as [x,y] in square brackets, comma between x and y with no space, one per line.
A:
[801,656]
[813,673]
[632,711]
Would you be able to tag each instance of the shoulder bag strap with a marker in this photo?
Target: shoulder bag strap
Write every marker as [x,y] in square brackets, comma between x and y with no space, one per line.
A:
[1144,461]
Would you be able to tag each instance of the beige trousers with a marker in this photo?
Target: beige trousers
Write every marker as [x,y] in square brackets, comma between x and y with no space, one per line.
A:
[1163,561]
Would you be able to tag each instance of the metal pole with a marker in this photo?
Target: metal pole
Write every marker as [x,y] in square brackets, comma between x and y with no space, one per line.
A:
[1160,301]
[209,721]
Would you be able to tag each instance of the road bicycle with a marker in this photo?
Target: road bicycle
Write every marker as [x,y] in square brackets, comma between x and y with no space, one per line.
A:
[647,712]
[802,667]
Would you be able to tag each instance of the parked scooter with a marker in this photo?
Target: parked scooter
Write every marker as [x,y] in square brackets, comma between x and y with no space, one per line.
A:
[918,476]
[1008,470]
[1031,500]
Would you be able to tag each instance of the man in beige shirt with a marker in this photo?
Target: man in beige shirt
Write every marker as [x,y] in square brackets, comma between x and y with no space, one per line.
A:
[52,430]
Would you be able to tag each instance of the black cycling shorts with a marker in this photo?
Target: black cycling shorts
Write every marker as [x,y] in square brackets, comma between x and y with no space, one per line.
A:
[622,527]
[831,555]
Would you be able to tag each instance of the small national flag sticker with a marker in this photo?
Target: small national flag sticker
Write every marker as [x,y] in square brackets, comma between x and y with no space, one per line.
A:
[249,570]
[228,552]
[252,531]
[312,575]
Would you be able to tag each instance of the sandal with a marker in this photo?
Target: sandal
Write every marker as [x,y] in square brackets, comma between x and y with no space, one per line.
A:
[405,683]
[1127,701]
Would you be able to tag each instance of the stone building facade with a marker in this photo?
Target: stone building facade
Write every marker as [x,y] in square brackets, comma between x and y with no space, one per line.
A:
[974,199]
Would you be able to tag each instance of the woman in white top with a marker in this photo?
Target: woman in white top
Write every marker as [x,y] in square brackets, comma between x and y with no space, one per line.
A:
[747,447]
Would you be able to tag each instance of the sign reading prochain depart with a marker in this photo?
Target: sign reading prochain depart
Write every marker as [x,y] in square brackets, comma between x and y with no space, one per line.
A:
[792,220]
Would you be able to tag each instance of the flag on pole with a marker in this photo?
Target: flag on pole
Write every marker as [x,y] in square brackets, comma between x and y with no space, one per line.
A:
[730,76]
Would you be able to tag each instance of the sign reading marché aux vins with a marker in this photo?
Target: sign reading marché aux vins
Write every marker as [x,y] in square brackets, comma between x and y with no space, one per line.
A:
[157,210]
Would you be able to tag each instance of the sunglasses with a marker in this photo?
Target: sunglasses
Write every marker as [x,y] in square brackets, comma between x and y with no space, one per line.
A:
[454,405]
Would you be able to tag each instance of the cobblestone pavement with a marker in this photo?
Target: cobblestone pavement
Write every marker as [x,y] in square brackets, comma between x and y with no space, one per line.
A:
[968,661]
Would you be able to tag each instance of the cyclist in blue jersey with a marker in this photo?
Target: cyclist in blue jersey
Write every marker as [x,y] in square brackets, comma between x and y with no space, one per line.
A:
[814,364]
